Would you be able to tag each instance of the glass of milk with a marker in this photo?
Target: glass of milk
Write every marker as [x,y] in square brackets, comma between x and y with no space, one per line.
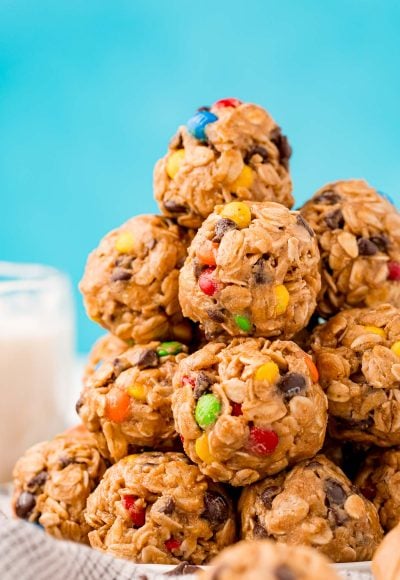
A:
[36,357]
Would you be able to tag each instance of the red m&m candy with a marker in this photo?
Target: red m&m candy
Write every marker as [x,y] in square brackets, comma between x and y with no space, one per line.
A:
[136,512]
[230,102]
[172,544]
[394,271]
[207,282]
[236,409]
[262,441]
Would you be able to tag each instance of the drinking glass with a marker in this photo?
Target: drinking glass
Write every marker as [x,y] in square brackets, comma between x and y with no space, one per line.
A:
[36,357]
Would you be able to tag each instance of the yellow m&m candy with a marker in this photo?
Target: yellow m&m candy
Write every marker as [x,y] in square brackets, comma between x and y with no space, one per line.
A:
[238,212]
[245,179]
[125,243]
[375,330]
[282,299]
[203,449]
[396,348]
[137,391]
[267,372]
[174,162]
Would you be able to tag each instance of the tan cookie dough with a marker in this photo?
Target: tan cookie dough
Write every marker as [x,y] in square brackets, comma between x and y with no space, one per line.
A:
[248,409]
[157,508]
[126,403]
[386,560]
[358,232]
[313,504]
[252,269]
[242,155]
[130,284]
[379,480]
[53,480]
[358,357]
[265,560]
[107,347]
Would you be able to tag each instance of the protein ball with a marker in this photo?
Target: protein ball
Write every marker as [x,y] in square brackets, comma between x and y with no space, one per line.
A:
[53,480]
[248,409]
[158,508]
[358,232]
[313,504]
[266,560]
[130,284]
[379,481]
[126,403]
[357,353]
[224,153]
[252,269]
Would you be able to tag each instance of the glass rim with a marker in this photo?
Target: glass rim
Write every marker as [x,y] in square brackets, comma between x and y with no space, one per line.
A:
[21,276]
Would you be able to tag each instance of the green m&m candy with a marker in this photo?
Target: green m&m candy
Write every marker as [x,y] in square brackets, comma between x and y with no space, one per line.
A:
[207,410]
[243,322]
[168,348]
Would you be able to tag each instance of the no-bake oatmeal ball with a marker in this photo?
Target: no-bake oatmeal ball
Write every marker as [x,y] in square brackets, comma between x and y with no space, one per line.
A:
[130,284]
[230,151]
[266,560]
[158,508]
[379,481]
[106,347]
[357,353]
[313,504]
[53,480]
[126,403]
[248,409]
[358,231]
[252,269]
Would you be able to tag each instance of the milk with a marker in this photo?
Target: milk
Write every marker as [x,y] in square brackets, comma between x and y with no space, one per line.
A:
[36,358]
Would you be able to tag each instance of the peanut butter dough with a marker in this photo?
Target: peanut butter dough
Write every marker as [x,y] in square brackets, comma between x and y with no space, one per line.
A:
[248,409]
[357,353]
[358,232]
[241,154]
[252,269]
[313,504]
[130,284]
[157,508]
[126,403]
[53,480]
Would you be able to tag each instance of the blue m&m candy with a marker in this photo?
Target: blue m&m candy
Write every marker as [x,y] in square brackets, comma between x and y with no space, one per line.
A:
[197,124]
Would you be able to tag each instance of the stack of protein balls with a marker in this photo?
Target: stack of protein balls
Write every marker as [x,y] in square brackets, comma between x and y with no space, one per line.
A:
[205,409]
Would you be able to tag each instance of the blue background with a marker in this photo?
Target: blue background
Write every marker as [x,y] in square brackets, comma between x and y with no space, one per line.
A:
[91,92]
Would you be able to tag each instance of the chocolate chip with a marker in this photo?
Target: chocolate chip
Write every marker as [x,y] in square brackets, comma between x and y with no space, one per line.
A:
[183,569]
[282,144]
[65,461]
[204,108]
[302,222]
[366,247]
[216,508]
[25,504]
[369,490]
[259,274]
[283,572]
[259,531]
[174,207]
[197,268]
[120,365]
[292,384]
[176,141]
[39,480]
[313,464]
[334,492]
[215,314]
[257,150]
[147,358]
[268,495]
[328,198]
[168,506]
[78,405]
[203,383]
[221,227]
[334,220]
[381,242]
[119,275]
